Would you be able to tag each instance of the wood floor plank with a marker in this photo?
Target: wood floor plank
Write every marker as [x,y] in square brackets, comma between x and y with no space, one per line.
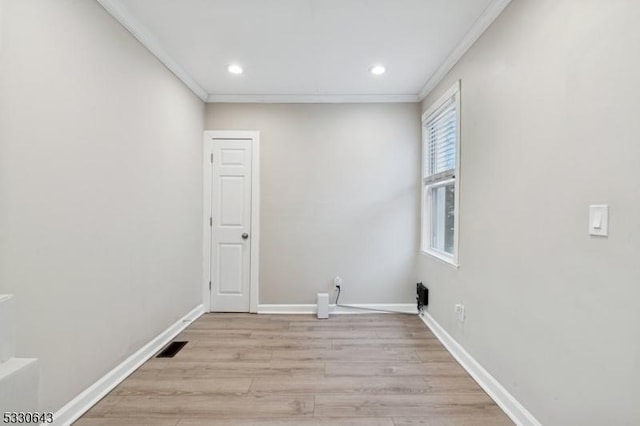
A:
[207,354]
[213,406]
[335,323]
[412,405]
[360,321]
[326,334]
[323,385]
[290,370]
[158,386]
[270,344]
[352,355]
[394,369]
[241,324]
[489,416]
[208,333]
[178,369]
[300,421]
[126,421]
[404,333]
[366,325]
[290,318]
[413,343]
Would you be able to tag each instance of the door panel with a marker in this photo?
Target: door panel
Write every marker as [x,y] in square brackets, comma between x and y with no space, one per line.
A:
[231,206]
[230,269]
[232,157]
[231,219]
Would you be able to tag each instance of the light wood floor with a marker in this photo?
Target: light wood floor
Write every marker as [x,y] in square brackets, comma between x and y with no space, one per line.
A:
[240,369]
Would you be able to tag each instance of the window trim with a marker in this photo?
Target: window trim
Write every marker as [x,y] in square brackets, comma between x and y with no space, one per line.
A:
[427,185]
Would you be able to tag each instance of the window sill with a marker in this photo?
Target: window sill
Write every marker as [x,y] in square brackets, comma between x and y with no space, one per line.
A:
[442,257]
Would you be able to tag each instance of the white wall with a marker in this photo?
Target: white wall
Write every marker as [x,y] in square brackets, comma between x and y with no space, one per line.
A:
[338,188]
[550,125]
[100,191]
[1,28]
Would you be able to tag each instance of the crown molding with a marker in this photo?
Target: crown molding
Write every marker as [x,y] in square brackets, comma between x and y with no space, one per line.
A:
[140,32]
[135,27]
[311,99]
[482,23]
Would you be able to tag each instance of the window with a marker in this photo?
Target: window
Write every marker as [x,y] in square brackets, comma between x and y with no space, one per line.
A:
[440,162]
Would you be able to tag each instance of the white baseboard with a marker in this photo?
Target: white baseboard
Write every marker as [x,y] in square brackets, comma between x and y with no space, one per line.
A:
[497,392]
[408,308]
[372,308]
[287,309]
[90,396]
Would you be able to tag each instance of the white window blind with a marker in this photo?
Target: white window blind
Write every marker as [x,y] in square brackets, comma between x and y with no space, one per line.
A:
[440,132]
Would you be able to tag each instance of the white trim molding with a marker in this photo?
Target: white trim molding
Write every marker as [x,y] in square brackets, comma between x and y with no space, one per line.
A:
[287,309]
[119,11]
[139,31]
[144,36]
[454,90]
[207,173]
[311,308]
[479,27]
[312,99]
[90,396]
[426,201]
[507,402]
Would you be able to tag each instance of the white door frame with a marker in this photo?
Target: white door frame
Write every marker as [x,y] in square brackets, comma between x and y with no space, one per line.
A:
[209,136]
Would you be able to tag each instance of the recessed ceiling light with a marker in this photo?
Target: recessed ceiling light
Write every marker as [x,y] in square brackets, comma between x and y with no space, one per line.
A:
[378,70]
[235,69]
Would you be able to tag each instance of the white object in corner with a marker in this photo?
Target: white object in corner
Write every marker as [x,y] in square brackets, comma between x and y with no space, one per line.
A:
[323,305]
[7,337]
[90,396]
[509,404]
[19,381]
[19,377]
[599,220]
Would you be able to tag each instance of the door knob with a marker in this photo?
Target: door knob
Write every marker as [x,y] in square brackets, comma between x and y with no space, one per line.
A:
[245,236]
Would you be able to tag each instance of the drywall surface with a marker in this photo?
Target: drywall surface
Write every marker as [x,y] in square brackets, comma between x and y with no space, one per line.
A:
[549,126]
[338,197]
[100,191]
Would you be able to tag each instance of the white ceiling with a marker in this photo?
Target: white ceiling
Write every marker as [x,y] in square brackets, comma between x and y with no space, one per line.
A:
[307,50]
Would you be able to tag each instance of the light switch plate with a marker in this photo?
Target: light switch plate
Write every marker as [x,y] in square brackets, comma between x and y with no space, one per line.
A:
[599,220]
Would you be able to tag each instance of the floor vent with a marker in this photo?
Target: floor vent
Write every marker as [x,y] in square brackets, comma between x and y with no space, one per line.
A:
[171,350]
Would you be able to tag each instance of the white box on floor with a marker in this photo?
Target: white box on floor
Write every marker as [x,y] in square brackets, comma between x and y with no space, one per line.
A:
[19,382]
[323,305]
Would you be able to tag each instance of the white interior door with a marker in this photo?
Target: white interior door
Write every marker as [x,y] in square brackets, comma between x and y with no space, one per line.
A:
[231,237]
